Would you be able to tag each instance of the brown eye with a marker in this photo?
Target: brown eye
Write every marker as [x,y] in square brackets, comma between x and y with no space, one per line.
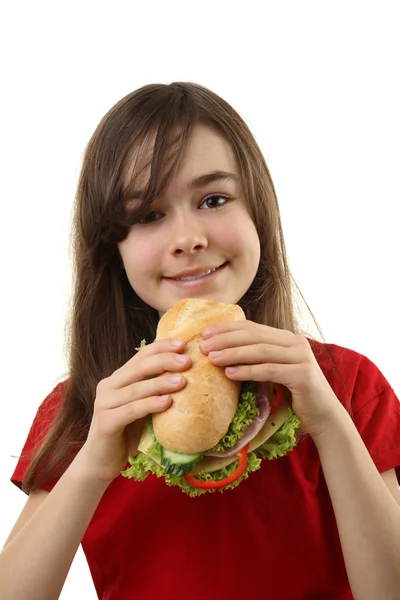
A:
[151,217]
[215,201]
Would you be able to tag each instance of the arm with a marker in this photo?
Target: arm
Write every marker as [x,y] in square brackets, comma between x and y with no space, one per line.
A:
[367,514]
[37,571]
[35,561]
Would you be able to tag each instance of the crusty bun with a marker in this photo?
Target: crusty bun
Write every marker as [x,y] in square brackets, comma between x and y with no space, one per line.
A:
[202,411]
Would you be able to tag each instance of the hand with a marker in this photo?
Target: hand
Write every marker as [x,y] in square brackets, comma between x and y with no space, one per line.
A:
[140,387]
[253,352]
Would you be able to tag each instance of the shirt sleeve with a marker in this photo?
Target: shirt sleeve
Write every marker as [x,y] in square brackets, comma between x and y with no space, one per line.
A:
[45,416]
[377,417]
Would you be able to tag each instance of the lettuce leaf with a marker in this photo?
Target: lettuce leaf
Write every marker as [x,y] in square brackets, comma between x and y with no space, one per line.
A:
[246,411]
[142,345]
[143,465]
[283,440]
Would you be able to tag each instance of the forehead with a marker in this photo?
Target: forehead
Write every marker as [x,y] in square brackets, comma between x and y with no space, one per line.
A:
[207,145]
[206,151]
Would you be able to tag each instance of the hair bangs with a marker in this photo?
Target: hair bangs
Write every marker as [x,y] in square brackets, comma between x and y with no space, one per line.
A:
[149,167]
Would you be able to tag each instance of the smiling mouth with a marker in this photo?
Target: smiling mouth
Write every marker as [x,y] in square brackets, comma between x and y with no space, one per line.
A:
[200,276]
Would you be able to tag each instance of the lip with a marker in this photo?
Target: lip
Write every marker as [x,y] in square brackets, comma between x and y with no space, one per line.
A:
[193,272]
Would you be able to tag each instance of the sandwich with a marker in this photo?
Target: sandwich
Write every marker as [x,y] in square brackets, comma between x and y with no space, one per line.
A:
[216,431]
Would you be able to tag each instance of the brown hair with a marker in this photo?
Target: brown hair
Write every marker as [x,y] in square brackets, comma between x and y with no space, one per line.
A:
[108,320]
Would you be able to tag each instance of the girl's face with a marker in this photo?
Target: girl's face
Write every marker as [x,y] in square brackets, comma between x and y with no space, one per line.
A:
[200,223]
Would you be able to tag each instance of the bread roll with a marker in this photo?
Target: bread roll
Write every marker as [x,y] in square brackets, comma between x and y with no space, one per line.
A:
[202,411]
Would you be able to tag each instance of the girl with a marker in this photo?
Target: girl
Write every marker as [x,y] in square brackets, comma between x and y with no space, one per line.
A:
[173,185]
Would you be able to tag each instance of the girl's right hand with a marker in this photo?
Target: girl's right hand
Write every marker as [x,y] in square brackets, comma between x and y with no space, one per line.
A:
[138,388]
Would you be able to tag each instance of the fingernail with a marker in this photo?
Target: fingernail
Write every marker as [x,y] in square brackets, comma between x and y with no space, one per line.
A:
[208,332]
[177,343]
[231,369]
[163,398]
[181,358]
[216,354]
[175,378]
[206,343]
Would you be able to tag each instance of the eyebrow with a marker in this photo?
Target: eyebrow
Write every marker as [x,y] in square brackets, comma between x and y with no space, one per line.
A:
[200,181]
[203,180]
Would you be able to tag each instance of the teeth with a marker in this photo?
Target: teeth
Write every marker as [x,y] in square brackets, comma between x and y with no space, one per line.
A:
[196,276]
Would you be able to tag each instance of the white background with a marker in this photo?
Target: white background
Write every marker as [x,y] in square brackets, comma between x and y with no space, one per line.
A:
[317,82]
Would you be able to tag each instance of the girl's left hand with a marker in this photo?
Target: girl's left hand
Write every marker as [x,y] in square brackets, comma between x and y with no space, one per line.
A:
[253,352]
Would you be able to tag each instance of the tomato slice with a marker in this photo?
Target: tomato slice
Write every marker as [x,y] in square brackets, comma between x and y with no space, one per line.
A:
[275,404]
[214,485]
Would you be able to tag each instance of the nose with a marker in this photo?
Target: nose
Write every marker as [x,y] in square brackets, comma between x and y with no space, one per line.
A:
[187,238]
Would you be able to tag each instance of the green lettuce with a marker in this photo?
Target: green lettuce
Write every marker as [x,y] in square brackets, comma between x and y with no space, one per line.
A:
[246,411]
[142,345]
[143,465]
[283,440]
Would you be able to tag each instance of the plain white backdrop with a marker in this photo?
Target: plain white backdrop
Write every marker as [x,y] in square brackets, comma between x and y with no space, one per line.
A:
[318,84]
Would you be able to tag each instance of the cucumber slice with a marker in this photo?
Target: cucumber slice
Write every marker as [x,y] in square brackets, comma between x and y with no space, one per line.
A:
[177,463]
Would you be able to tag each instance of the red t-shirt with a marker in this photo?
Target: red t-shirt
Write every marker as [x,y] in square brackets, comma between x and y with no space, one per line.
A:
[274,536]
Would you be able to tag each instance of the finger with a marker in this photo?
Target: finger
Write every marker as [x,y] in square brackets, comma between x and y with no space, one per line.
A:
[255,354]
[164,345]
[157,386]
[232,339]
[149,365]
[286,375]
[158,347]
[248,333]
[122,416]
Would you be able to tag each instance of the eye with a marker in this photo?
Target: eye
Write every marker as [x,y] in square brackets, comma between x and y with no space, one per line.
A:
[151,217]
[215,201]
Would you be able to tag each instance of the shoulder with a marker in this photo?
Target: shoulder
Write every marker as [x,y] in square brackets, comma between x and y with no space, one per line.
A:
[346,358]
[46,414]
[351,374]
[53,401]
[371,401]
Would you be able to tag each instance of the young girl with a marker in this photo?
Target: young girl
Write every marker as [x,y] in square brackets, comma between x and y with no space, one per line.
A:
[174,185]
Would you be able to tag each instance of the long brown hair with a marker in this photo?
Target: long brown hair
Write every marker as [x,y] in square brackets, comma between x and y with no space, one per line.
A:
[108,320]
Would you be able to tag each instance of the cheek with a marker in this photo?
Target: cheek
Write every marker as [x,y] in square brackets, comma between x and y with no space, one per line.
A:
[140,255]
[240,234]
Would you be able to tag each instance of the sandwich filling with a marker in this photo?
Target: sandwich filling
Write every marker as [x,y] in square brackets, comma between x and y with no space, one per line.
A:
[256,432]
